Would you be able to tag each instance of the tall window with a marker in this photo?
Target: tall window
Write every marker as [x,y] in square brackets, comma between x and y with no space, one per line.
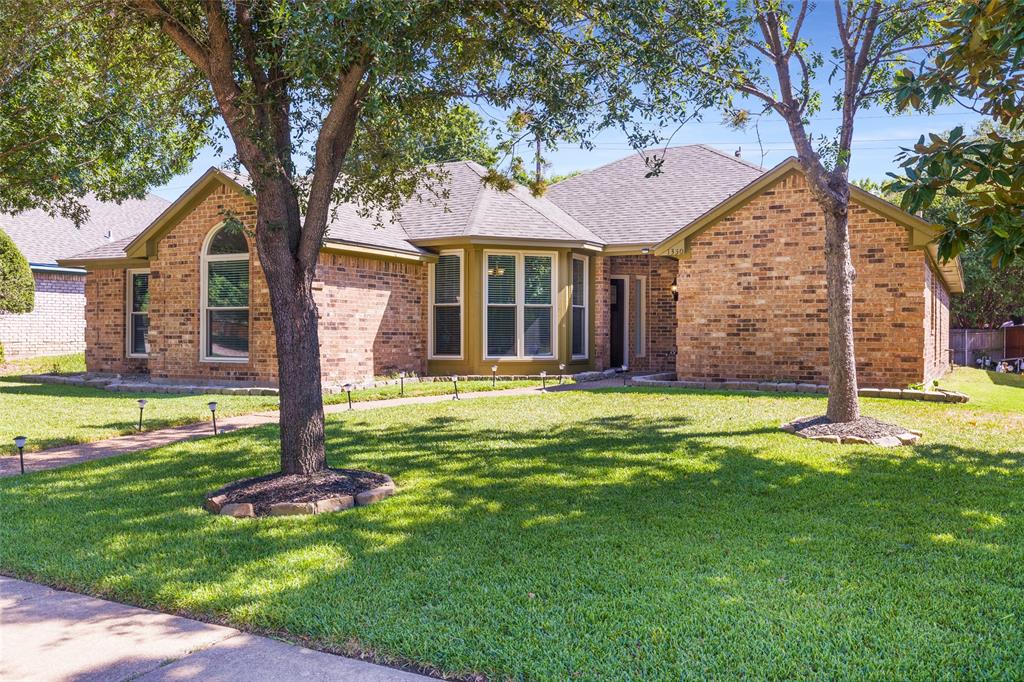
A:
[639,305]
[446,316]
[579,307]
[520,305]
[138,313]
[226,296]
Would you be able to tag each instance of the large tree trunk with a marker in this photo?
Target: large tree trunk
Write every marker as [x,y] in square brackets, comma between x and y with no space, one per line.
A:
[839,274]
[295,316]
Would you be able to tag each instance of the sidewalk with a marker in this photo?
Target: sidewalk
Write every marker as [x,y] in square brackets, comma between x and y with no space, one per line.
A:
[75,454]
[49,635]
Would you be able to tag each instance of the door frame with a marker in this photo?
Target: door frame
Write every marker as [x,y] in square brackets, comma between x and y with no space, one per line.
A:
[625,321]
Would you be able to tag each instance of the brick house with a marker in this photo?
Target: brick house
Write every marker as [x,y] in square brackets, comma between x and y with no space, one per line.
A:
[712,270]
[56,325]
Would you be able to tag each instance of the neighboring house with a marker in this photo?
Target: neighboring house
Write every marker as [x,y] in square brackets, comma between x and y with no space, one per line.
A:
[713,269]
[57,323]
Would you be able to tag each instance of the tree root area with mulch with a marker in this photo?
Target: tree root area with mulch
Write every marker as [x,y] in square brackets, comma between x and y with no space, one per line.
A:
[263,491]
[865,427]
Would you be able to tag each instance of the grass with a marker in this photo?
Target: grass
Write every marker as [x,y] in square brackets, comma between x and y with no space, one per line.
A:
[55,415]
[622,534]
[46,364]
[989,391]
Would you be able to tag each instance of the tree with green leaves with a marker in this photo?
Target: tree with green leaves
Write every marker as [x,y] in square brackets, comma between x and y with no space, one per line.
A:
[763,64]
[17,288]
[980,64]
[331,102]
[90,105]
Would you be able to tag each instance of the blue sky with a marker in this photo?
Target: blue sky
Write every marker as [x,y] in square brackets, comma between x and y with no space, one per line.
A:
[878,136]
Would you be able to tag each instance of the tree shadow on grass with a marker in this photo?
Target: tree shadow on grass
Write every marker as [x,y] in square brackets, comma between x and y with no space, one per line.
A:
[637,546]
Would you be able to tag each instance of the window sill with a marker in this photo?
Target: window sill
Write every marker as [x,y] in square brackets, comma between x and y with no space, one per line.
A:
[225,361]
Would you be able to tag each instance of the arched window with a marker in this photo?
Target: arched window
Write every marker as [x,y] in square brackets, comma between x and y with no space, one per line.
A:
[225,296]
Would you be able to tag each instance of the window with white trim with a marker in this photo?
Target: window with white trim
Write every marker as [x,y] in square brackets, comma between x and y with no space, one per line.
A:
[138,313]
[446,303]
[519,314]
[579,307]
[225,296]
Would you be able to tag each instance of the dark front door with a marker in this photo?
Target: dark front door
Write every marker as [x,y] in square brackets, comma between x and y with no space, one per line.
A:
[618,322]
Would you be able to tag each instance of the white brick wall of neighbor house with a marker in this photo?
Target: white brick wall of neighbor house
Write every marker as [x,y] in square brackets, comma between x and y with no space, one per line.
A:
[55,326]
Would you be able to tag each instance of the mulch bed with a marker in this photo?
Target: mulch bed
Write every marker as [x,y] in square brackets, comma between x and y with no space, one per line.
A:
[264,491]
[865,427]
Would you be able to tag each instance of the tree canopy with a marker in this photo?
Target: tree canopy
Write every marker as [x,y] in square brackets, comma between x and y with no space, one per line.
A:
[980,64]
[90,104]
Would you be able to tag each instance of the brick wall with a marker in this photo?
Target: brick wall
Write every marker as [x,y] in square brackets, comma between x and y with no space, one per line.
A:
[602,304]
[372,317]
[105,324]
[56,324]
[372,312]
[936,327]
[752,296]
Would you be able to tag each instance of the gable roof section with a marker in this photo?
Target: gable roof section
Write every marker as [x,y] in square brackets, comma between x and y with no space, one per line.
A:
[45,239]
[473,209]
[622,206]
[922,234]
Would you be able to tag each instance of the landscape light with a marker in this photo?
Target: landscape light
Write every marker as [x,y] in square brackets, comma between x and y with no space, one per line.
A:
[455,383]
[19,442]
[561,371]
[401,384]
[213,411]
[543,380]
[494,375]
[348,391]
[625,368]
[142,406]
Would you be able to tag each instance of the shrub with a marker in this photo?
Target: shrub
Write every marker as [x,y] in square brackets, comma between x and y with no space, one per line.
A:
[17,288]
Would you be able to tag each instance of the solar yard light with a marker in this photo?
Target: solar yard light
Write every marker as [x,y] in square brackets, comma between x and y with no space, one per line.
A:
[142,406]
[19,442]
[561,371]
[625,368]
[213,410]
[494,375]
[348,391]
[543,380]
[455,383]
[401,384]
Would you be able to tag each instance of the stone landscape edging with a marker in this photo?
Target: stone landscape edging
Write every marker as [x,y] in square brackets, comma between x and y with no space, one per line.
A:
[668,380]
[217,504]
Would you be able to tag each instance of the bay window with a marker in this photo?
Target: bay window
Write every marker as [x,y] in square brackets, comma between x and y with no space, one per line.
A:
[579,308]
[137,307]
[225,296]
[446,306]
[519,305]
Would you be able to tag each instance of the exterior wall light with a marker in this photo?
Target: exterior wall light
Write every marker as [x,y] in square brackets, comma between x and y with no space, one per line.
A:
[675,289]
[19,442]
[213,411]
[348,392]
[455,383]
[142,406]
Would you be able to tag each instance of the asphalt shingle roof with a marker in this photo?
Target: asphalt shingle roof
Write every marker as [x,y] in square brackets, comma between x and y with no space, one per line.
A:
[44,239]
[622,206]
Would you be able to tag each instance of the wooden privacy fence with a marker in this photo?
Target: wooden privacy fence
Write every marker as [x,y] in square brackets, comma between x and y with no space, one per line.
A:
[970,344]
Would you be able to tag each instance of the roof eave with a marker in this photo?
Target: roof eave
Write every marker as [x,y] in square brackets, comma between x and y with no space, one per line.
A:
[509,241]
[356,248]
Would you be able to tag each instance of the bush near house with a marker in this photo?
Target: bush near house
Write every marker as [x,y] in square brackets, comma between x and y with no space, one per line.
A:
[17,288]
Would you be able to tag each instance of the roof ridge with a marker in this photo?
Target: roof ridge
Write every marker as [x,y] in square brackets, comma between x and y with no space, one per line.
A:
[731,157]
[479,202]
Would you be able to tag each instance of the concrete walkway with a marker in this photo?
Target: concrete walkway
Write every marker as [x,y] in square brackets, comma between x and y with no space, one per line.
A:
[49,635]
[55,458]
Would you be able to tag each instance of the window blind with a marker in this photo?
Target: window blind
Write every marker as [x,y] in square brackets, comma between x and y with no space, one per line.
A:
[138,318]
[579,308]
[447,314]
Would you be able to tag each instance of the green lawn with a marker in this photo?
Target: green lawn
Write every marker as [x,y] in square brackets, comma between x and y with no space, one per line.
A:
[624,534]
[989,391]
[52,415]
[426,388]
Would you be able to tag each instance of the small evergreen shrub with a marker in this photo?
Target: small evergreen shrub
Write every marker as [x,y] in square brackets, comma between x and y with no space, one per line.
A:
[17,288]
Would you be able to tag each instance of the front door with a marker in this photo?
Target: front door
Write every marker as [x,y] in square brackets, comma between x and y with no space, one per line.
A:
[617,327]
